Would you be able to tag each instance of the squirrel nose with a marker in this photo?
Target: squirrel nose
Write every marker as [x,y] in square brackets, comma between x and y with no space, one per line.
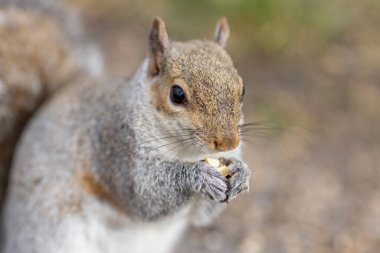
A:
[226,143]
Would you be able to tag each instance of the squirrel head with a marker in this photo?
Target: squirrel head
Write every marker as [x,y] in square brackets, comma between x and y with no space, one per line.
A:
[195,85]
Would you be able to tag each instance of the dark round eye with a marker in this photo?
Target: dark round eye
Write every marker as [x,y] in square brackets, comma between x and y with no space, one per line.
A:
[177,95]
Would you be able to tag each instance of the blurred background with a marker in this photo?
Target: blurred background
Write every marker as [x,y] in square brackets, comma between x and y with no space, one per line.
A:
[311,72]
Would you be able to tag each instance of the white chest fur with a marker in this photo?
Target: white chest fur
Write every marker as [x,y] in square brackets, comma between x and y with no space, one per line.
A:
[103,230]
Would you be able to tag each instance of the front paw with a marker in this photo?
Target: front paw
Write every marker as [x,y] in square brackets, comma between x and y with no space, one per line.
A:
[238,181]
[210,183]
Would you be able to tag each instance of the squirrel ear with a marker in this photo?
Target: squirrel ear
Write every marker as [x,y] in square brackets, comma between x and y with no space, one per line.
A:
[159,43]
[222,32]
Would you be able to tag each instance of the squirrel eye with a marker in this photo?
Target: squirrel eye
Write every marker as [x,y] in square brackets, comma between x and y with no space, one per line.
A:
[177,95]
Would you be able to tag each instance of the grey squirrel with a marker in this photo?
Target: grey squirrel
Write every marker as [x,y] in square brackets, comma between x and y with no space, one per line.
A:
[117,165]
[42,49]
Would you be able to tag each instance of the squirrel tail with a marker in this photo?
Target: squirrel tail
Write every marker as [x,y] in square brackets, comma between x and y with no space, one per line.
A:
[41,50]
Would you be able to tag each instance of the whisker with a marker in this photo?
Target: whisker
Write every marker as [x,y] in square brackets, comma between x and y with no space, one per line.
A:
[185,147]
[258,135]
[260,128]
[175,147]
[167,144]
[166,137]
[259,123]
[248,141]
[162,146]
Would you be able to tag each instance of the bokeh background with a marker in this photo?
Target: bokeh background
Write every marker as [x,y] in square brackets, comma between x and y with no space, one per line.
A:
[311,72]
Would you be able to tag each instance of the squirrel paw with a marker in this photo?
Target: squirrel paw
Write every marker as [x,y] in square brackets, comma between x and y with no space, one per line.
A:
[210,183]
[239,179]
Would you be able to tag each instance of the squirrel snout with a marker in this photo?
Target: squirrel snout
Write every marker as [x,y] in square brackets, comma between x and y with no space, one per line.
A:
[224,143]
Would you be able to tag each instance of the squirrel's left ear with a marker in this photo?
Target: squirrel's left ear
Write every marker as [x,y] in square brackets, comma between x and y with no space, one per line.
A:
[222,32]
[159,43]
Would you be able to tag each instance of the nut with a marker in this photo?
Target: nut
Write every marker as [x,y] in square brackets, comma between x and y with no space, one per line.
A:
[212,162]
[223,169]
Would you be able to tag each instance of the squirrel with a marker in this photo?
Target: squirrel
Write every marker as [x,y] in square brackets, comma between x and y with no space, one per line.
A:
[41,50]
[109,165]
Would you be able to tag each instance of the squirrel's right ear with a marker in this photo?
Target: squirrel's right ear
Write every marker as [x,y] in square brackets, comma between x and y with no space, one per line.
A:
[159,43]
[222,32]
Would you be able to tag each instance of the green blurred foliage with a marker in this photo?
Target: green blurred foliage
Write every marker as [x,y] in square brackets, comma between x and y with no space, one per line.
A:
[274,28]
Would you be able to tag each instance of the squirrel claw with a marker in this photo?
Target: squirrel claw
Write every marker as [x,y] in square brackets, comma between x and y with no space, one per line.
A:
[210,183]
[239,179]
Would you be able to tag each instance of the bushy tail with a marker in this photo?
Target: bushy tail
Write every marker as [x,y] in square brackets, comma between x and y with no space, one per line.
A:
[41,50]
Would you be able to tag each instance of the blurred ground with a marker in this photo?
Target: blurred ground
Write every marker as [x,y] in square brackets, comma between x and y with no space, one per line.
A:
[313,68]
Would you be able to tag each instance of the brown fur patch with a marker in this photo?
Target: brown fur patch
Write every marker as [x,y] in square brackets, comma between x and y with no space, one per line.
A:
[159,94]
[91,185]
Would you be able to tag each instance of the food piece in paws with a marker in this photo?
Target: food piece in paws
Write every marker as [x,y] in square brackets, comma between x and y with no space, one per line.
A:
[212,162]
[223,169]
